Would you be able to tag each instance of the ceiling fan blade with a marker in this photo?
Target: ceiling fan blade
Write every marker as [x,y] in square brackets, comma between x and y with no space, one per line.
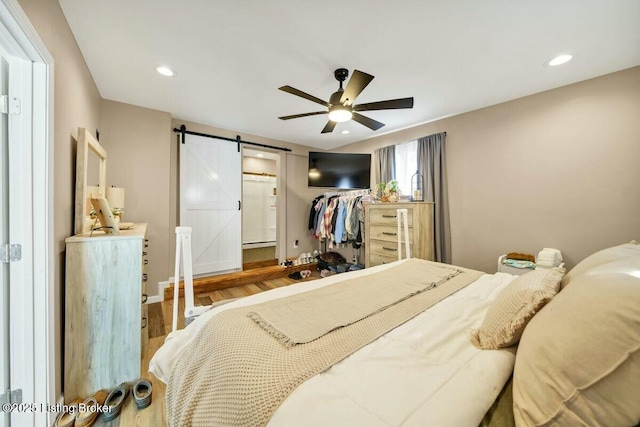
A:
[329,127]
[356,85]
[366,121]
[304,95]
[392,104]
[295,116]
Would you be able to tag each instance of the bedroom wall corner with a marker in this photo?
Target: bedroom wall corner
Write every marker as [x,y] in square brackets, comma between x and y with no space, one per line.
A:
[138,143]
[554,169]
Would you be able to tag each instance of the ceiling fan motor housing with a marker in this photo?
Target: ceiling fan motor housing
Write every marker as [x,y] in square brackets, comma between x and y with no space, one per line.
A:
[341,75]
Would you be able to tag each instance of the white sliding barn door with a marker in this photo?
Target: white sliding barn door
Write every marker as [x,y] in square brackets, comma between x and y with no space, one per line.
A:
[210,194]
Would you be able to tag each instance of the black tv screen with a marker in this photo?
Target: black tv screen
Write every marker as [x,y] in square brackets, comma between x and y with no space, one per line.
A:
[339,170]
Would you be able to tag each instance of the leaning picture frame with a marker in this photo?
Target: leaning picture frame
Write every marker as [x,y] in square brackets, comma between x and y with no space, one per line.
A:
[108,223]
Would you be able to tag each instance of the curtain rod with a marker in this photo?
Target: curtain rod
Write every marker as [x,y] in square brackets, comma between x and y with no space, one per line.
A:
[183,130]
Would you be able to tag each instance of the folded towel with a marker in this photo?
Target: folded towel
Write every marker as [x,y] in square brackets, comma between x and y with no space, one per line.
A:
[549,257]
[518,263]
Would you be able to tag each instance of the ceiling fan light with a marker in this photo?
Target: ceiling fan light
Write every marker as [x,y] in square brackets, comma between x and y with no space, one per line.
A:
[339,115]
[314,173]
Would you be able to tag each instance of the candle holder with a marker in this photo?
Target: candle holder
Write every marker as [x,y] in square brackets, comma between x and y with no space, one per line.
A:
[417,191]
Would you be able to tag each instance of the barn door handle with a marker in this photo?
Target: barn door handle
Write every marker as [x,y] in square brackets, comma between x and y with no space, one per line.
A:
[239,204]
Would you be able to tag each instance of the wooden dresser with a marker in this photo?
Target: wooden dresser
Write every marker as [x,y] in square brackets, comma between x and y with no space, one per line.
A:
[381,231]
[105,315]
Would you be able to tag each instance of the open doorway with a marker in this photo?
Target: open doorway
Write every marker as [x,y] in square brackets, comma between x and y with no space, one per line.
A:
[259,203]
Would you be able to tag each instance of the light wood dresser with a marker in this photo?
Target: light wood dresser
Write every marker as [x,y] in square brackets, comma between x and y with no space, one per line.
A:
[381,231]
[105,315]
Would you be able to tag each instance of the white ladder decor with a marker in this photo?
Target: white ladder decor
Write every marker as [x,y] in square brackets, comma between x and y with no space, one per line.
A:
[402,216]
[183,241]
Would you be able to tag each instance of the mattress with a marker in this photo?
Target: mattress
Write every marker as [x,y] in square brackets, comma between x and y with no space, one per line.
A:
[424,372]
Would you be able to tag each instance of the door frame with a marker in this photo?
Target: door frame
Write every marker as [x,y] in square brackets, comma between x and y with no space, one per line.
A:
[24,42]
[280,159]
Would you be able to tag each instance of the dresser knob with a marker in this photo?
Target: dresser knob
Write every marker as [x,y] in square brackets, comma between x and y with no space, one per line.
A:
[145,277]
[146,261]
[145,297]
[144,253]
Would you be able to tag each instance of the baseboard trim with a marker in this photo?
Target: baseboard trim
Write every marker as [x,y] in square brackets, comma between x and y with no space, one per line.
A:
[160,297]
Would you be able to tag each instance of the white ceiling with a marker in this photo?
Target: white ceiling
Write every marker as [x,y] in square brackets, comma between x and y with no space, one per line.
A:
[451,56]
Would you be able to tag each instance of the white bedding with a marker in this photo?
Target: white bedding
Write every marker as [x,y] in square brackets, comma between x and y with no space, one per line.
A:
[423,373]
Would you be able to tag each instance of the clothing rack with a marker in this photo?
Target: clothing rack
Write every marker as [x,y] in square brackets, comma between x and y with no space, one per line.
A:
[363,192]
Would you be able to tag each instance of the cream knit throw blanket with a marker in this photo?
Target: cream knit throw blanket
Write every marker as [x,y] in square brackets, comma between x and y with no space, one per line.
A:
[236,374]
[305,317]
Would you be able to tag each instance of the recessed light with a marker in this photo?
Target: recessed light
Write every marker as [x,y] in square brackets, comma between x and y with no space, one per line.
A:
[260,155]
[165,71]
[345,132]
[559,60]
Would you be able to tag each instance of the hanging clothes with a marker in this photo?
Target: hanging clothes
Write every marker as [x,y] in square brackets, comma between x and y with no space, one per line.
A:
[338,218]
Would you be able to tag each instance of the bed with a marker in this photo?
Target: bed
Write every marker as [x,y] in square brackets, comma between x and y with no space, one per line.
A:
[425,371]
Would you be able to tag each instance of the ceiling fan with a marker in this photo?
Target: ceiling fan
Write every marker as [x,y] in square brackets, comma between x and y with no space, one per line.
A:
[340,106]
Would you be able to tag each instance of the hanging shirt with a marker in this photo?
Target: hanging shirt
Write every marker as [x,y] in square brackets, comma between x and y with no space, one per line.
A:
[340,220]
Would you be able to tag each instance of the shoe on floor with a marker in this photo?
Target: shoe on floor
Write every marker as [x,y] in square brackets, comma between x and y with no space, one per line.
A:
[115,401]
[142,390]
[88,411]
[68,418]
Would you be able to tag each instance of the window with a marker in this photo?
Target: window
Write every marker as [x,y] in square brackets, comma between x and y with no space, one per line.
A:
[406,160]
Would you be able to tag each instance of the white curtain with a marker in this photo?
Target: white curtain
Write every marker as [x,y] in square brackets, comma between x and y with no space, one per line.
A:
[406,165]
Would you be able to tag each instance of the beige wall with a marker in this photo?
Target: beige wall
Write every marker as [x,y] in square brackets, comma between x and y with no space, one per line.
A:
[556,169]
[256,165]
[76,104]
[138,143]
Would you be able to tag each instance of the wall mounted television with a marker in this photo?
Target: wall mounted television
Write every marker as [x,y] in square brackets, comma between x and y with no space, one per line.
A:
[339,170]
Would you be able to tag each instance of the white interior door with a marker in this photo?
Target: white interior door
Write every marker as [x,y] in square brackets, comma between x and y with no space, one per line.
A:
[210,202]
[18,367]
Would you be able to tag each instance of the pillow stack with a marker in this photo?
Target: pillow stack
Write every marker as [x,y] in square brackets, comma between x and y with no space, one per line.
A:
[514,307]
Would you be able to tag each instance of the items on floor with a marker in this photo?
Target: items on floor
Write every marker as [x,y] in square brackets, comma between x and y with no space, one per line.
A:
[84,412]
[304,258]
[300,275]
[332,262]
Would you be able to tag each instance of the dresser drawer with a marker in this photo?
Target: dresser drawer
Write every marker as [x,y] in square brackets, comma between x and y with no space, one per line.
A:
[376,258]
[387,215]
[387,233]
[388,248]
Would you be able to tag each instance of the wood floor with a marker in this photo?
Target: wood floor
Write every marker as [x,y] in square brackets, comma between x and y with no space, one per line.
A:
[160,323]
